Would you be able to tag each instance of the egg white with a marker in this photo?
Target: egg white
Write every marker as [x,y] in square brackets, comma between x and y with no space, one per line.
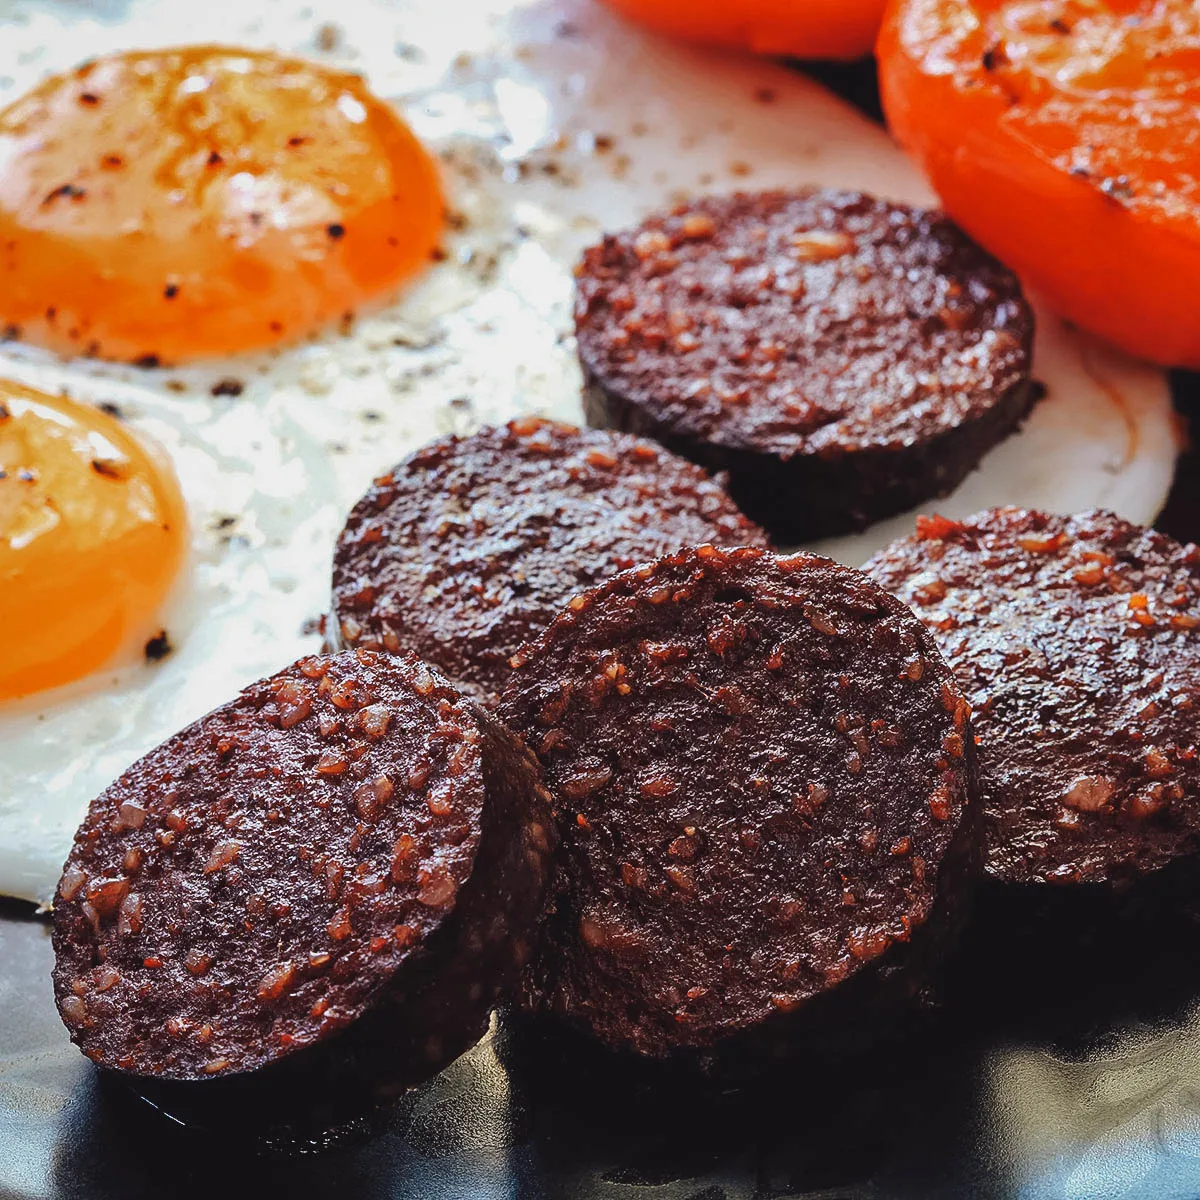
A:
[554,121]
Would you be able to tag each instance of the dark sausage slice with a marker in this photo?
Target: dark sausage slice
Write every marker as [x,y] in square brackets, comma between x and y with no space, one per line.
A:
[841,357]
[763,773]
[1076,639]
[470,546]
[347,838]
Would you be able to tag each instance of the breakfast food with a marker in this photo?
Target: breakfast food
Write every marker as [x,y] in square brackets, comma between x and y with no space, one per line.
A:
[468,548]
[86,510]
[763,774]
[1061,136]
[551,123]
[273,449]
[350,838]
[842,357]
[1077,640]
[815,29]
[164,205]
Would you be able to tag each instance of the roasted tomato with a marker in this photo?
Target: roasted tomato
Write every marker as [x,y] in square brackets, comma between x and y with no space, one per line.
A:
[808,29]
[1062,134]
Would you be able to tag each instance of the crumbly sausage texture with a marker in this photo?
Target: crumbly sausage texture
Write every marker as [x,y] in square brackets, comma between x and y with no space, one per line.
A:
[342,838]
[841,357]
[1077,640]
[763,775]
[469,547]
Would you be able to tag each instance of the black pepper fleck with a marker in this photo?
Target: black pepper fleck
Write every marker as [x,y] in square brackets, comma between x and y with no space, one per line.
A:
[68,191]
[994,56]
[158,647]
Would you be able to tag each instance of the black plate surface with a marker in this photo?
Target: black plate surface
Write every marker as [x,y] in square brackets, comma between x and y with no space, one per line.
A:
[1055,1067]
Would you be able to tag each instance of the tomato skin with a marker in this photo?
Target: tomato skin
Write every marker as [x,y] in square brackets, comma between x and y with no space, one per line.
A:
[1124,266]
[842,29]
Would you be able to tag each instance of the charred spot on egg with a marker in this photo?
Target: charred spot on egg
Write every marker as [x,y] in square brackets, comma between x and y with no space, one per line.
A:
[92,536]
[161,206]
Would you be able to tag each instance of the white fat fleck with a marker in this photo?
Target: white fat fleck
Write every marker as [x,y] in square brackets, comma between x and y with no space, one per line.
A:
[351,109]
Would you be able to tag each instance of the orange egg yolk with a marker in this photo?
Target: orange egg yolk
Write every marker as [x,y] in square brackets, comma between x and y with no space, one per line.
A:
[176,204]
[92,535]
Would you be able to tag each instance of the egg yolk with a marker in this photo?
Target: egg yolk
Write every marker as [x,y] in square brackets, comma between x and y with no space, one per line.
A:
[168,205]
[92,535]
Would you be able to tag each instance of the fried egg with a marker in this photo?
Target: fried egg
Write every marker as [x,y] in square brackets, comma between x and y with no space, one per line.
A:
[158,206]
[551,121]
[86,510]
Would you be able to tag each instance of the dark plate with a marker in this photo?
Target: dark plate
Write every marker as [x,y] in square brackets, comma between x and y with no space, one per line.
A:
[1057,1065]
